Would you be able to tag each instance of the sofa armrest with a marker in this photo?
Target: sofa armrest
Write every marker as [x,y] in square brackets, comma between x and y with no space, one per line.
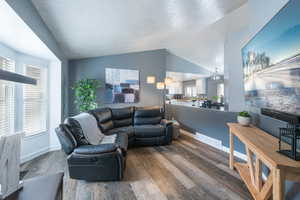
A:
[95,149]
[96,165]
[168,130]
[166,122]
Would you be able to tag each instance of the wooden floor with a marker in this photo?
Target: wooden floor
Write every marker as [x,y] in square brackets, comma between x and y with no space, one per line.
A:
[187,169]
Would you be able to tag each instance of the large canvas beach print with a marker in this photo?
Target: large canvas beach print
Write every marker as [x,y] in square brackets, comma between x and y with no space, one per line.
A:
[122,85]
[271,63]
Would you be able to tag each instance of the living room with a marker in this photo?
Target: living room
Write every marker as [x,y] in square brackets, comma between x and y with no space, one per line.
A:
[149,99]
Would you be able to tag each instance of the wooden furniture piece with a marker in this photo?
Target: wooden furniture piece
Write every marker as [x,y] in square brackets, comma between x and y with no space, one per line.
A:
[10,148]
[48,187]
[264,146]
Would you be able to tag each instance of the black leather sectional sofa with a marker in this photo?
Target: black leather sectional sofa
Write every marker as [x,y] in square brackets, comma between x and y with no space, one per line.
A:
[132,126]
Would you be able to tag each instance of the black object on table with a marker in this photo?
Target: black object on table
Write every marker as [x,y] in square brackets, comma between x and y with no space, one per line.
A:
[289,134]
[48,187]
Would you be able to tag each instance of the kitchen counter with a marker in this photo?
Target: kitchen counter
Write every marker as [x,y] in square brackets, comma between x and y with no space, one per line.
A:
[193,105]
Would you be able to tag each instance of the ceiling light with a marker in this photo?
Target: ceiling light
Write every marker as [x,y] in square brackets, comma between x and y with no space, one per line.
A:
[168,80]
[216,76]
[160,85]
[150,79]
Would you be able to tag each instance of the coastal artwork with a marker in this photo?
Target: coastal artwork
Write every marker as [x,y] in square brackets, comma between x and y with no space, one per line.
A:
[122,85]
[271,63]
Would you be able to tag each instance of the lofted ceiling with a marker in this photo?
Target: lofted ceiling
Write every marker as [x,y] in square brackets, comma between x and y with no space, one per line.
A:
[179,76]
[192,29]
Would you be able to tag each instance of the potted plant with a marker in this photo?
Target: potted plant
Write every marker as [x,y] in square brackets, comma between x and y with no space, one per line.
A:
[85,94]
[194,99]
[244,118]
[215,99]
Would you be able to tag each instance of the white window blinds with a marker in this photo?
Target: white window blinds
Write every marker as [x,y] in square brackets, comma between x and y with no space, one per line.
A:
[7,99]
[35,101]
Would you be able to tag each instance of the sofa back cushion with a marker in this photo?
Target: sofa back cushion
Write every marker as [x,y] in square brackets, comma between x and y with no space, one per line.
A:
[148,115]
[122,116]
[104,118]
[74,127]
[66,139]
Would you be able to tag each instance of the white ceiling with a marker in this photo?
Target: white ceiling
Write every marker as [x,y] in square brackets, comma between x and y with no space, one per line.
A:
[192,29]
[179,77]
[17,35]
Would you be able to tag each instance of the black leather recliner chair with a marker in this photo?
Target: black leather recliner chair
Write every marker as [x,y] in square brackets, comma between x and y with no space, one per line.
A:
[106,162]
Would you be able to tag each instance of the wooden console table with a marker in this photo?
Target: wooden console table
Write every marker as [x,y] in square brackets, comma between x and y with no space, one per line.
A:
[264,146]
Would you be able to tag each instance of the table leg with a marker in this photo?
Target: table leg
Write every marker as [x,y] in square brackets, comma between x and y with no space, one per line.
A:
[231,155]
[278,184]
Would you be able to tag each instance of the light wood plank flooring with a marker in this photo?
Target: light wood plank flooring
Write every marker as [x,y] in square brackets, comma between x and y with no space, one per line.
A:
[187,169]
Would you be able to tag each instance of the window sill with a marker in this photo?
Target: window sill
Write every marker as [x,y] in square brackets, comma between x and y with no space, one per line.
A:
[35,134]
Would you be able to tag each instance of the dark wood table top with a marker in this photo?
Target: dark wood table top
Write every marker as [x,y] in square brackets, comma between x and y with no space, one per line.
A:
[42,187]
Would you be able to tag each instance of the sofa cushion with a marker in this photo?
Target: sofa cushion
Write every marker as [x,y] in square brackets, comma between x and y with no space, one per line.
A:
[122,142]
[95,149]
[122,116]
[76,131]
[147,115]
[122,122]
[109,139]
[148,120]
[151,111]
[104,118]
[147,131]
[129,130]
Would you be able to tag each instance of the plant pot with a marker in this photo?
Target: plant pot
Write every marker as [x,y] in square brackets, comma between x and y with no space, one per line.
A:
[244,121]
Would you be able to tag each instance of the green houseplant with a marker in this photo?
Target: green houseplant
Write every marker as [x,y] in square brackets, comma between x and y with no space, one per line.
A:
[244,118]
[215,99]
[85,94]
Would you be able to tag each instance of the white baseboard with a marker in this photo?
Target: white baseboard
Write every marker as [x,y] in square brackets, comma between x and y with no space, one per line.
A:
[34,155]
[55,148]
[216,144]
[236,153]
[39,153]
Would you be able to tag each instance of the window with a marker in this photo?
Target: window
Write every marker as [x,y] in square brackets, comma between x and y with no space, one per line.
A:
[191,91]
[220,89]
[220,92]
[35,101]
[23,107]
[7,99]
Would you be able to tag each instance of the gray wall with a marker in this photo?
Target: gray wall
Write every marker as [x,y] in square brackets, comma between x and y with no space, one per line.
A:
[177,64]
[148,63]
[212,87]
[209,122]
[263,13]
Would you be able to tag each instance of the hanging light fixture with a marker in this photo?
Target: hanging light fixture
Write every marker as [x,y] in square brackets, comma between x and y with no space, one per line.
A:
[216,76]
[160,85]
[168,80]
